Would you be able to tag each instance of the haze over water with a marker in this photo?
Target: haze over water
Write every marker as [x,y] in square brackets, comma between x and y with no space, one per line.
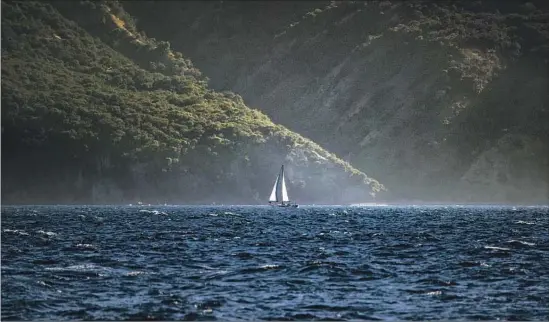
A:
[250,262]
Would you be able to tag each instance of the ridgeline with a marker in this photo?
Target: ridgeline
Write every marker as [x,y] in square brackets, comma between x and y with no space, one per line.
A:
[94,111]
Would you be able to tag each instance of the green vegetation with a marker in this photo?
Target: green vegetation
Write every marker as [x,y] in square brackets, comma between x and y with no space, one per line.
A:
[514,27]
[94,111]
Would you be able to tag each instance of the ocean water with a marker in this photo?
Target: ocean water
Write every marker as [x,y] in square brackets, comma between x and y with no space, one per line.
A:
[262,263]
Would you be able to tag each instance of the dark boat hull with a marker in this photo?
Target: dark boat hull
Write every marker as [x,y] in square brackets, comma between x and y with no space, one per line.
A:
[285,205]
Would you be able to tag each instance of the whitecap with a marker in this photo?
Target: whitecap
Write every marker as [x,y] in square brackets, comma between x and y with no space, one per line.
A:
[81,267]
[521,242]
[270,266]
[154,212]
[85,246]
[524,222]
[228,213]
[496,248]
[47,233]
[16,231]
[433,293]
[54,268]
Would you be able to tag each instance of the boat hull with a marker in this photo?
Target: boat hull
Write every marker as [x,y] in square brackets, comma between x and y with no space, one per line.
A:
[284,205]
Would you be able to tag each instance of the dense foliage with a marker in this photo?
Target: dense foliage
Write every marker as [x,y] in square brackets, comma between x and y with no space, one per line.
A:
[94,111]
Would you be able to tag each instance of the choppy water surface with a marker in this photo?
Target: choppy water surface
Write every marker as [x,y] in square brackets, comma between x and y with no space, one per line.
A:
[226,263]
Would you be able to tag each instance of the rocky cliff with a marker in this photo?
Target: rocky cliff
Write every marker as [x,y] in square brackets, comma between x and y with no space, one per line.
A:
[94,111]
[441,101]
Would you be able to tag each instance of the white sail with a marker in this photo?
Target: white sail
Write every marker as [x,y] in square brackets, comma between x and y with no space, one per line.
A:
[280,193]
[273,198]
[283,188]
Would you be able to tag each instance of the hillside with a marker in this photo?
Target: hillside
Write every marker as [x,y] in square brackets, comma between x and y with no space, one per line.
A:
[94,111]
[440,101]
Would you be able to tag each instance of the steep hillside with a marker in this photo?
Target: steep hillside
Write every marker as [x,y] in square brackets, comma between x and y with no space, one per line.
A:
[421,94]
[93,111]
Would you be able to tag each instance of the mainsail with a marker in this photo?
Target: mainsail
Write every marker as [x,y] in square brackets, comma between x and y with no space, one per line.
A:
[279,193]
[283,191]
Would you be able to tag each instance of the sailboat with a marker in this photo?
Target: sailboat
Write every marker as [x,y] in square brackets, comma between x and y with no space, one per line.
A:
[279,195]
